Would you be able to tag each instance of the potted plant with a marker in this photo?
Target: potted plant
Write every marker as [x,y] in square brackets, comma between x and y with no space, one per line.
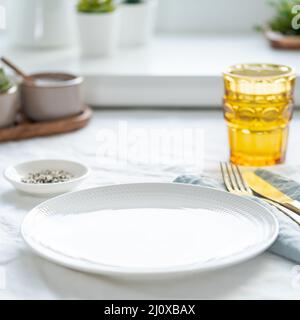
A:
[8,100]
[137,21]
[98,23]
[283,31]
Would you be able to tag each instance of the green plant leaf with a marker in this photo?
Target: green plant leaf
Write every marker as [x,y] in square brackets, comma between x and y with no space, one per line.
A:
[282,21]
[5,83]
[96,6]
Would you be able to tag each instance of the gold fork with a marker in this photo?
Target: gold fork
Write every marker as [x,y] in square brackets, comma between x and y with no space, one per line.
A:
[236,184]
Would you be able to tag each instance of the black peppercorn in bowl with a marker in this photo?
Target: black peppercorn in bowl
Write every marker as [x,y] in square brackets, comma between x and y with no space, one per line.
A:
[46,177]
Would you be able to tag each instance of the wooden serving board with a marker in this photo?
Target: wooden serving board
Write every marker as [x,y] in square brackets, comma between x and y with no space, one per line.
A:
[25,129]
[280,41]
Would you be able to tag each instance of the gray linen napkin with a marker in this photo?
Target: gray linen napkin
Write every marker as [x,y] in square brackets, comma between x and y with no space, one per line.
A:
[285,185]
[287,244]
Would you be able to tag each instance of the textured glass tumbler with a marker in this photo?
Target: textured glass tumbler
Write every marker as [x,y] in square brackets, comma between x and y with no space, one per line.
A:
[258,106]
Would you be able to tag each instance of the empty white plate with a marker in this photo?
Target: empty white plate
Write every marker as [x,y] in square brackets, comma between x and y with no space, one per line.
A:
[149,228]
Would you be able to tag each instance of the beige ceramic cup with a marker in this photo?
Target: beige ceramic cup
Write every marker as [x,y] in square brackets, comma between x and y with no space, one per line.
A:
[9,106]
[52,96]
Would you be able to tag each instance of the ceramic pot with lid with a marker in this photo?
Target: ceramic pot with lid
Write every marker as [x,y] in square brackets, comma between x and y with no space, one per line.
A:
[52,96]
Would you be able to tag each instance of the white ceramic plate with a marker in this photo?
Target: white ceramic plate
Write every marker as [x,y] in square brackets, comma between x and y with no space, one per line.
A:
[14,175]
[149,228]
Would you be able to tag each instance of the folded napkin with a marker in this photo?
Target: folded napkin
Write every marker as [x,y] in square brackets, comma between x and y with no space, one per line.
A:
[287,244]
[285,185]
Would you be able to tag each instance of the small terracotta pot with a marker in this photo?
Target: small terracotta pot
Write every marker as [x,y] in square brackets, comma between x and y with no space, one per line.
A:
[52,96]
[280,41]
[9,105]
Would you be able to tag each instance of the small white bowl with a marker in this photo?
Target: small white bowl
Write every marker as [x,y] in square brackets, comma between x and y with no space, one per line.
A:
[15,174]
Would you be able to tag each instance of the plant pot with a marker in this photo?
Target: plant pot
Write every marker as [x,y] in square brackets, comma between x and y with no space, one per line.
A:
[137,22]
[98,33]
[281,41]
[9,106]
[52,96]
[41,23]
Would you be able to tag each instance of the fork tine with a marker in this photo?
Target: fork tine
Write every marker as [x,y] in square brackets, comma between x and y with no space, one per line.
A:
[226,178]
[238,177]
[233,179]
[248,189]
[231,176]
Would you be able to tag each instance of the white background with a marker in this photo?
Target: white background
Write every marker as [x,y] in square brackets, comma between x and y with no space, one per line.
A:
[207,16]
[212,16]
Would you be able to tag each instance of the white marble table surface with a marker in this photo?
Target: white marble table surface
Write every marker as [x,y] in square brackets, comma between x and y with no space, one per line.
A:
[30,277]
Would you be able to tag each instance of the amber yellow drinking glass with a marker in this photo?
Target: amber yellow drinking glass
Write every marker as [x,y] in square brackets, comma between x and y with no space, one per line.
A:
[258,106]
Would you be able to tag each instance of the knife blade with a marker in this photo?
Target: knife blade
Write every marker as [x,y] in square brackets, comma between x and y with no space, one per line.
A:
[266,190]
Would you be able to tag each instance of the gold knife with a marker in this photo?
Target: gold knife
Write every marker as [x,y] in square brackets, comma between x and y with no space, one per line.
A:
[266,190]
